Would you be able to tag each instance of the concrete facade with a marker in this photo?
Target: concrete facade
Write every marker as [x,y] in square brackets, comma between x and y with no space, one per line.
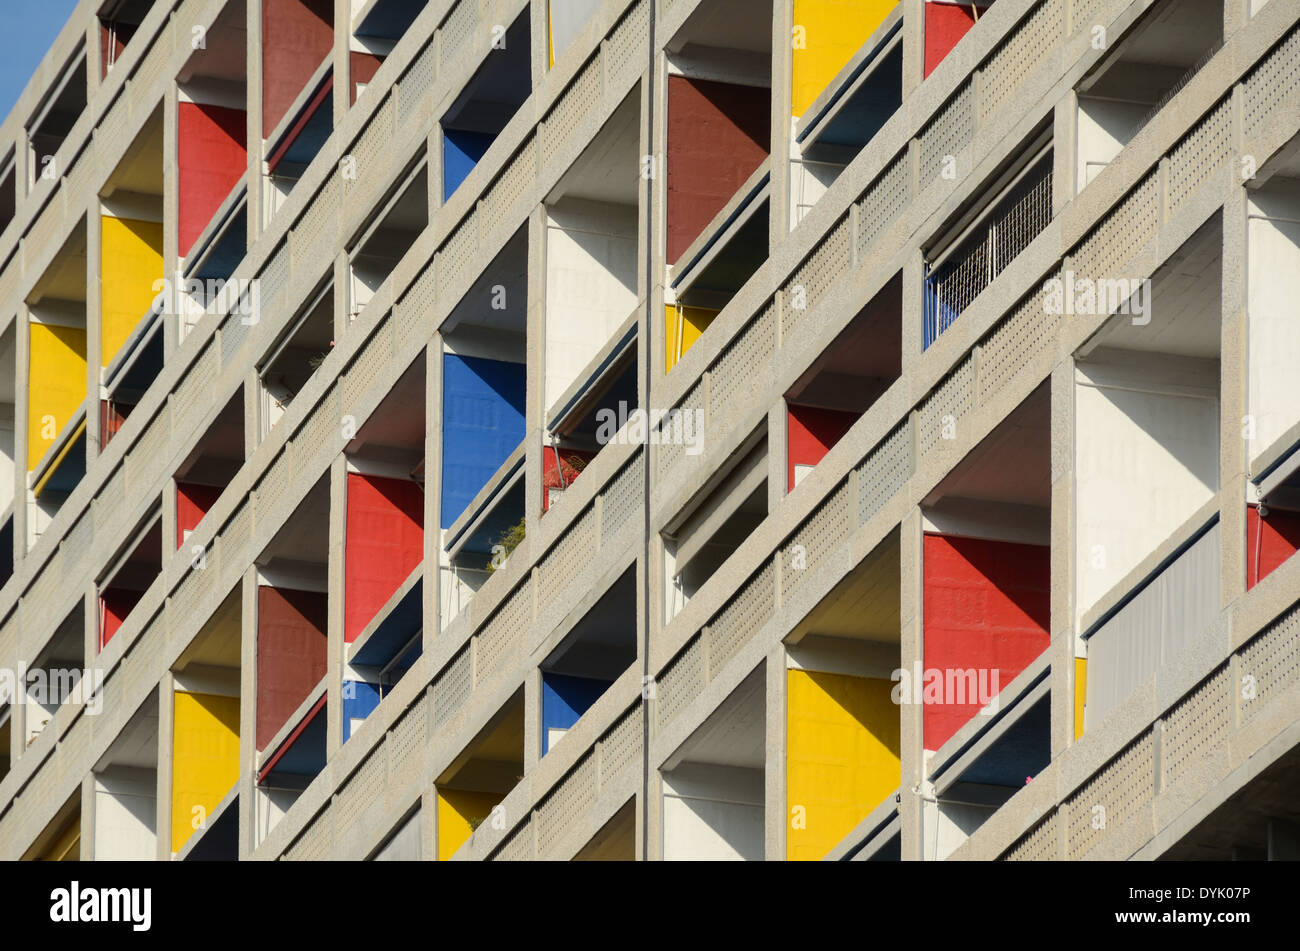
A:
[724,643]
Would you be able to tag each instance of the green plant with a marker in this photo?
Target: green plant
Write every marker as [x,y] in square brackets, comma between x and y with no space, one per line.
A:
[506,544]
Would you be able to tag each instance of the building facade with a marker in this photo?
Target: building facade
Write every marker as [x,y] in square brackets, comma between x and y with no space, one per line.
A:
[652,429]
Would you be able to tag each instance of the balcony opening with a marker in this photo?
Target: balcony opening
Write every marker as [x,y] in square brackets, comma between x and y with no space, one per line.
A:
[60,664]
[60,841]
[295,358]
[292,612]
[377,26]
[483,404]
[587,417]
[205,758]
[8,190]
[591,252]
[302,134]
[1272,289]
[987,544]
[130,374]
[118,22]
[136,567]
[8,448]
[719,114]
[716,523]
[840,712]
[126,791]
[1142,71]
[713,784]
[828,36]
[383,547]
[57,350]
[212,127]
[979,245]
[565,22]
[714,269]
[863,361]
[985,782]
[52,122]
[298,43]
[946,22]
[487,104]
[208,469]
[388,237]
[481,776]
[289,767]
[383,653]
[616,840]
[6,736]
[1257,823]
[131,243]
[866,94]
[1147,420]
[587,662]
[211,266]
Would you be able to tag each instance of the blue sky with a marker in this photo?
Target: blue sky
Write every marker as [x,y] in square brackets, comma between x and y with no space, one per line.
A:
[30,27]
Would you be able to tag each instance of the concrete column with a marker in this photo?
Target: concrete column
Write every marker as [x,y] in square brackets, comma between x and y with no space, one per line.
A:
[540,38]
[253,62]
[782,145]
[342,97]
[913,45]
[432,586]
[1064,146]
[1233,402]
[171,211]
[776,816]
[88,817]
[654,143]
[433,147]
[777,453]
[166,733]
[94,337]
[911,716]
[342,295]
[169,518]
[532,718]
[535,373]
[1064,640]
[94,70]
[248,714]
[428,825]
[22,410]
[913,313]
[90,608]
[338,476]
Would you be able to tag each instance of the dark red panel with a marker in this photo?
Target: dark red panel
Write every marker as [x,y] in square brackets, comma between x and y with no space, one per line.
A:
[290,653]
[945,24]
[987,607]
[385,542]
[812,433]
[297,36]
[362,67]
[718,133]
[211,159]
[1269,542]
[554,477]
[192,503]
[114,605]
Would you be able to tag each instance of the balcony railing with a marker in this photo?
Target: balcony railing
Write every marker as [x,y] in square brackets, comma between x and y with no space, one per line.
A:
[953,285]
